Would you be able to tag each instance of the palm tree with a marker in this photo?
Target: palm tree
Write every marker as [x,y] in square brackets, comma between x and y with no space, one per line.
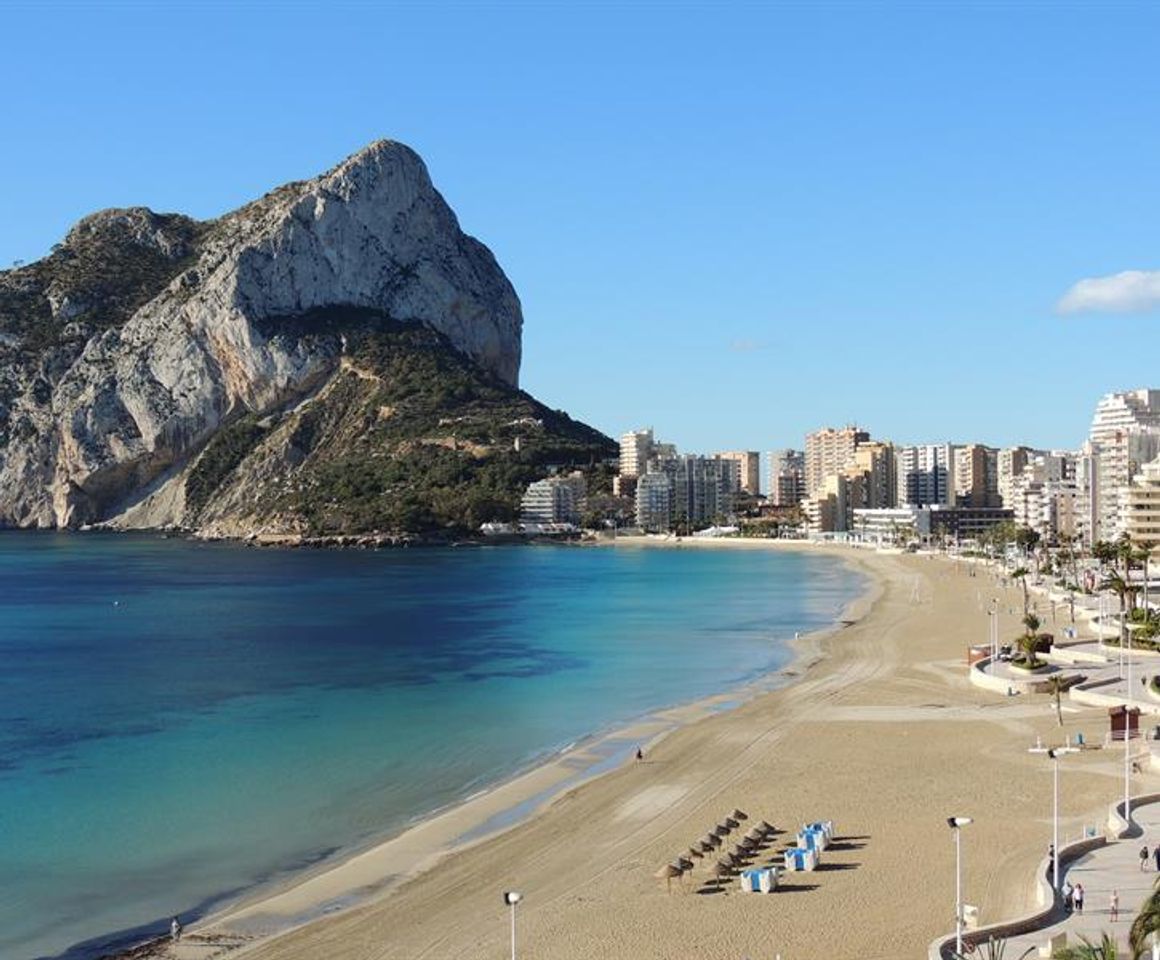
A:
[1055,686]
[1146,924]
[1122,588]
[1106,949]
[1020,574]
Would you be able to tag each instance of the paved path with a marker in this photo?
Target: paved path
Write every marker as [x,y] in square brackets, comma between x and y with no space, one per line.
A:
[1114,867]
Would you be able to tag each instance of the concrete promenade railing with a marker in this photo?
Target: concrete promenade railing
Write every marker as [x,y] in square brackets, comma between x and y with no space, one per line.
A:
[980,678]
[1050,907]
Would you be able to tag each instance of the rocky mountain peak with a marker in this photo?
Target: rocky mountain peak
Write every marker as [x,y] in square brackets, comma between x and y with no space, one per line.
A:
[143,334]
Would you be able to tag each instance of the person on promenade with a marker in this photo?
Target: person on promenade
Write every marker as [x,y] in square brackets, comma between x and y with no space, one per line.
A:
[1144,858]
[1067,890]
[1156,852]
[1077,898]
[1114,906]
[175,928]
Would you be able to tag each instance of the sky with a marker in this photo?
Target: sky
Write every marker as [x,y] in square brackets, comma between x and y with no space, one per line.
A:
[734,223]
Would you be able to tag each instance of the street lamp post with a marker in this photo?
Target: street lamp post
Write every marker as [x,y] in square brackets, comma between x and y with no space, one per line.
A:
[511,898]
[1128,729]
[956,824]
[1055,753]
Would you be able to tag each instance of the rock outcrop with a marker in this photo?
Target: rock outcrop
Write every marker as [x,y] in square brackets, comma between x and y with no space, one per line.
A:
[144,337]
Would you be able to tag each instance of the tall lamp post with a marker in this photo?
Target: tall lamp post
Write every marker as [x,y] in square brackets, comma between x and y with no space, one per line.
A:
[956,824]
[1055,753]
[511,898]
[993,624]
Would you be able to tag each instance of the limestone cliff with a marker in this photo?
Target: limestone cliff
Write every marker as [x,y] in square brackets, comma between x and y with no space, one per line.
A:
[143,340]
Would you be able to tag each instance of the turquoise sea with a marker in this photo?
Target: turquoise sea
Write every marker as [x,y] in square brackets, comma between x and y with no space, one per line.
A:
[181,721]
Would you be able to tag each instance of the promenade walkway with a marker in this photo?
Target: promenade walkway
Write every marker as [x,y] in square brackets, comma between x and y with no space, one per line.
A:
[1114,867]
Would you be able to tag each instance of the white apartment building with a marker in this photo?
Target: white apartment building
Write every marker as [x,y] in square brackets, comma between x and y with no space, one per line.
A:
[926,475]
[555,500]
[654,503]
[1009,463]
[1125,432]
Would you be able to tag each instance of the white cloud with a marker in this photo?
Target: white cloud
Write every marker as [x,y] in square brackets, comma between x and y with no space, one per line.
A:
[1132,291]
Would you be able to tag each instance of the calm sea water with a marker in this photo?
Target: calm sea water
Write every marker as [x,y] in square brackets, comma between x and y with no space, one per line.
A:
[179,721]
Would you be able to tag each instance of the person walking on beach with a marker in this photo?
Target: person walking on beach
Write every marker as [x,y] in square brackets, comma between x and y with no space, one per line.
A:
[639,753]
[1144,858]
[175,928]
[1077,898]
[1114,906]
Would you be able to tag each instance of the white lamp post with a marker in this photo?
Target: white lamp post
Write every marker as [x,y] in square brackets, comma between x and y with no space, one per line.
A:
[1055,753]
[511,898]
[956,824]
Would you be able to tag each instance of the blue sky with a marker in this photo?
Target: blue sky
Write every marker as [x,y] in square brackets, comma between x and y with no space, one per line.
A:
[732,222]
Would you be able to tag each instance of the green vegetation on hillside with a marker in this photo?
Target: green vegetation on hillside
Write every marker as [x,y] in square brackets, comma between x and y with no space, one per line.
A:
[412,436]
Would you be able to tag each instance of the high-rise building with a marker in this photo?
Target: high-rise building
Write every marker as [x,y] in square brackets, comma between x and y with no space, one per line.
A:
[636,447]
[1125,432]
[1010,462]
[690,491]
[873,473]
[977,476]
[926,475]
[828,451]
[749,475]
[787,477]
[654,503]
[1141,506]
[555,500]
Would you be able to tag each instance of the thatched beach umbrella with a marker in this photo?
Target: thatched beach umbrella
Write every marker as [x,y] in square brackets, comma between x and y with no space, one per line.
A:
[731,823]
[720,871]
[666,873]
[707,845]
[755,833]
[684,863]
[722,831]
[746,843]
[713,840]
[739,814]
[766,827]
[694,853]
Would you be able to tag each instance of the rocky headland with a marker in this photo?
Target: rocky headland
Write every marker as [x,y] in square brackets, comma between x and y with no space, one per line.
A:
[334,359]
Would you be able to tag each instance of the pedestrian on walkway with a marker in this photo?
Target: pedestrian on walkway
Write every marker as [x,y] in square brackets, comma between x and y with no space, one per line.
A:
[1077,898]
[1156,853]
[1144,858]
[1114,906]
[1067,890]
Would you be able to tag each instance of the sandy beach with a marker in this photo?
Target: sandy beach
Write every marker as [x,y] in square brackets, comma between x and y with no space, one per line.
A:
[879,731]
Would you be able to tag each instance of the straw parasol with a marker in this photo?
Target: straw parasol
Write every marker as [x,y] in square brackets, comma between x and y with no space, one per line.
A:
[755,833]
[731,823]
[683,863]
[765,826]
[666,873]
[722,831]
[720,871]
[739,814]
[707,845]
[746,843]
[713,840]
[694,853]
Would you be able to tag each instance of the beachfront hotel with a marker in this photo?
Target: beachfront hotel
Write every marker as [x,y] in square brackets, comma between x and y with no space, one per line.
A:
[1125,435]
